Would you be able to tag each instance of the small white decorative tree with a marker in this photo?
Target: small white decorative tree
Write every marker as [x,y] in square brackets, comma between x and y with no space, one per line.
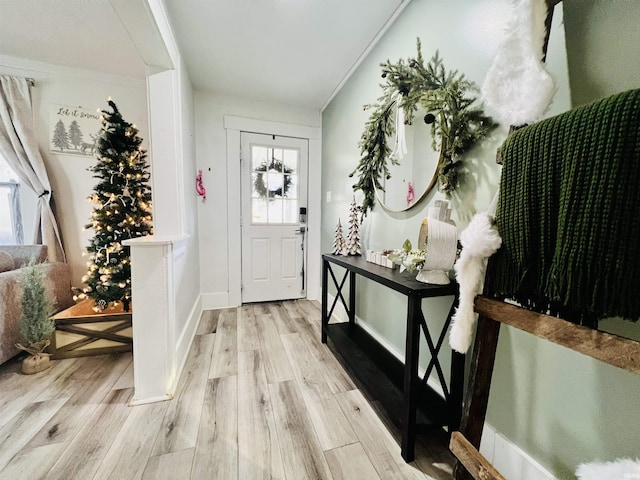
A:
[339,244]
[353,238]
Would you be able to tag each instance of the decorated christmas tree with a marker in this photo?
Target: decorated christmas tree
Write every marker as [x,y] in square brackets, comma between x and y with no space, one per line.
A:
[122,210]
[339,245]
[353,238]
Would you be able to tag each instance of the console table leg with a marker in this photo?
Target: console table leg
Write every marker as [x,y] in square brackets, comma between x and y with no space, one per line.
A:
[411,380]
[456,390]
[325,293]
[352,298]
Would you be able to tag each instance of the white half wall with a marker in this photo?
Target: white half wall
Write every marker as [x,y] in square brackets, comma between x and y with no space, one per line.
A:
[166,266]
[160,341]
[168,205]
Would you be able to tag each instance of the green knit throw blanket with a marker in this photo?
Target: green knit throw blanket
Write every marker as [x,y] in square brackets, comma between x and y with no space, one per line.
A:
[569,213]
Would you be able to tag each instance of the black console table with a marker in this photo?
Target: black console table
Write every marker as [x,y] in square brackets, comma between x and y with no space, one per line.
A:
[406,284]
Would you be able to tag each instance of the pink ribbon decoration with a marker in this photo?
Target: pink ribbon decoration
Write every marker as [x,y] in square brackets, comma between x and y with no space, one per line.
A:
[200,190]
[410,193]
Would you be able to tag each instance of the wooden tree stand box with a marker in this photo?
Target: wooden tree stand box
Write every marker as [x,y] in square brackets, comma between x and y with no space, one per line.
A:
[81,332]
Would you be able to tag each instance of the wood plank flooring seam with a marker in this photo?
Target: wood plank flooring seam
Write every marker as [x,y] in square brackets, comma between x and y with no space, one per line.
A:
[91,444]
[302,455]
[345,445]
[22,390]
[17,433]
[180,425]
[259,453]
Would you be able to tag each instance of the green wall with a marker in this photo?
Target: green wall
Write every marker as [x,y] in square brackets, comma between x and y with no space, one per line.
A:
[558,406]
[603,45]
[602,64]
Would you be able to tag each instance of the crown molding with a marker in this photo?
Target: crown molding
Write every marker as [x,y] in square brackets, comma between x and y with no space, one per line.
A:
[40,70]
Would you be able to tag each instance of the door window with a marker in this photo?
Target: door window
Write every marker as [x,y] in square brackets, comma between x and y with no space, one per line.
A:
[275,190]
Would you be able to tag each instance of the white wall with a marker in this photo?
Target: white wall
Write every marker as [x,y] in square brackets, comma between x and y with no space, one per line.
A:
[188,288]
[210,110]
[70,180]
[172,125]
[602,37]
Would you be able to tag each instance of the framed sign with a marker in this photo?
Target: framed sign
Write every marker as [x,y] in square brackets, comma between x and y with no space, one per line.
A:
[73,130]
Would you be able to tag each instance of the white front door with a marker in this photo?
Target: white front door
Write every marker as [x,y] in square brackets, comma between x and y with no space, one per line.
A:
[274,189]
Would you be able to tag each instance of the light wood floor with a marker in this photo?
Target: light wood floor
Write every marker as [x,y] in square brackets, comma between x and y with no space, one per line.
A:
[260,397]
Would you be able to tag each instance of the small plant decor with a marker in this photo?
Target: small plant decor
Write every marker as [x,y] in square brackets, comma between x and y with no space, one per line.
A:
[36,324]
[409,258]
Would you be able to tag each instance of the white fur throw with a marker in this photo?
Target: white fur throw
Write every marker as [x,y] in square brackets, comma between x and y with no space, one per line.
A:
[479,241]
[517,89]
[621,469]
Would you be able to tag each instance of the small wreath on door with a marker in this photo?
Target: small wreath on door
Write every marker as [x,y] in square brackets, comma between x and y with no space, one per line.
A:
[262,187]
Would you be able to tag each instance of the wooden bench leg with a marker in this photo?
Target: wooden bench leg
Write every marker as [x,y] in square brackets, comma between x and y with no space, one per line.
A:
[477,397]
[477,466]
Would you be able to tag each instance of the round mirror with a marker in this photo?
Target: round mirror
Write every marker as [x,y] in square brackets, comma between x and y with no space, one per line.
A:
[411,178]
[456,124]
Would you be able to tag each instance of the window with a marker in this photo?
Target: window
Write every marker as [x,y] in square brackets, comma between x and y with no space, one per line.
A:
[274,176]
[11,231]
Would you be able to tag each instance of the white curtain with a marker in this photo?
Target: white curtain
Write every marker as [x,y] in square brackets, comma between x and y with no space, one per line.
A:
[19,146]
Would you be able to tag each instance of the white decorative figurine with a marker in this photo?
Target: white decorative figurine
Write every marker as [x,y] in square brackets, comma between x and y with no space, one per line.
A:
[339,244]
[353,238]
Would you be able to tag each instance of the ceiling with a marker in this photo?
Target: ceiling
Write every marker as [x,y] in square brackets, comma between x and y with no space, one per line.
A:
[293,52]
[83,34]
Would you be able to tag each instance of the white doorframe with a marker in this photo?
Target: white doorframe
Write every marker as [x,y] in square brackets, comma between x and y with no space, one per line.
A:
[235,125]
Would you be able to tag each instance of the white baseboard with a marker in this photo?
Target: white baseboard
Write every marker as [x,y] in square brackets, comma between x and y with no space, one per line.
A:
[185,340]
[134,402]
[212,301]
[510,460]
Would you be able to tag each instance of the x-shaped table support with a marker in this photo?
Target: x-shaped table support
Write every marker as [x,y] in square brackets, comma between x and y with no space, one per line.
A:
[415,321]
